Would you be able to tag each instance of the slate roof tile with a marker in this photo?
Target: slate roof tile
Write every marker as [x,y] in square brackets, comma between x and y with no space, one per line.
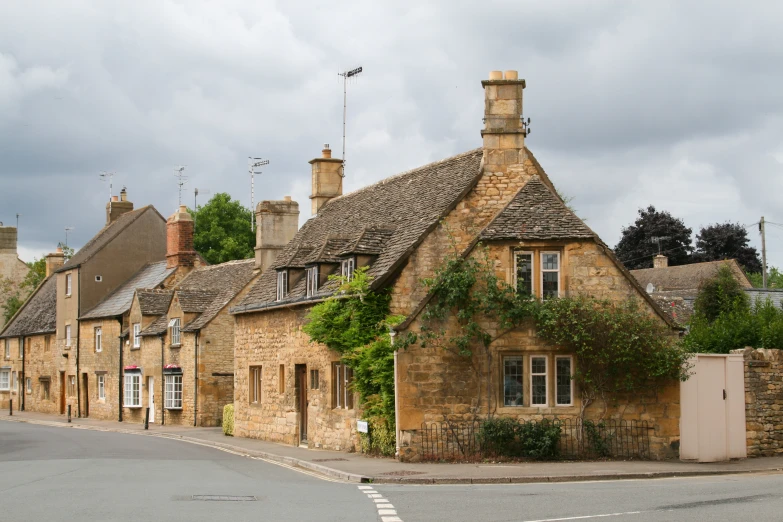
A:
[154,302]
[687,277]
[38,314]
[120,301]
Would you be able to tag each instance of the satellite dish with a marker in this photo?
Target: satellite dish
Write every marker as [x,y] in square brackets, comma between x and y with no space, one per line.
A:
[650,288]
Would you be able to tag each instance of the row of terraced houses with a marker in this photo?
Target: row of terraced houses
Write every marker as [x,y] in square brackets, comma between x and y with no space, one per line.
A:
[137,319]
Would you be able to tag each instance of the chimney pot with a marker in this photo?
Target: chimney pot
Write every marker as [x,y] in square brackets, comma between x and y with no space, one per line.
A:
[660,261]
[495,75]
[327,179]
[327,152]
[286,198]
[277,223]
[54,261]
[123,194]
[511,75]
[115,198]
[59,250]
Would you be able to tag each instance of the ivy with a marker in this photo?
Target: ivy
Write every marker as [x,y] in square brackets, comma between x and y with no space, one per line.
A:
[619,347]
[354,322]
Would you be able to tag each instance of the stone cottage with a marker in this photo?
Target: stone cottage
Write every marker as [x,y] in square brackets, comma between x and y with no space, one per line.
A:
[179,358]
[293,391]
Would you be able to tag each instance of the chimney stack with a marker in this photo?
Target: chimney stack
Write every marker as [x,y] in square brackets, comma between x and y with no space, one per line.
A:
[54,261]
[327,179]
[504,129]
[179,239]
[276,225]
[114,208]
[8,239]
[660,261]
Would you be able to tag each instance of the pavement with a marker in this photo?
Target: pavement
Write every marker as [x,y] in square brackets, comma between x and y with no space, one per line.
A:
[355,467]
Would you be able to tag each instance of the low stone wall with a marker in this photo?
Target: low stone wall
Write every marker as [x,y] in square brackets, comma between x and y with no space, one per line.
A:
[763,401]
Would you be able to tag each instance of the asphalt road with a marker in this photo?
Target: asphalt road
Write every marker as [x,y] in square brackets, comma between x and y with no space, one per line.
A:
[51,474]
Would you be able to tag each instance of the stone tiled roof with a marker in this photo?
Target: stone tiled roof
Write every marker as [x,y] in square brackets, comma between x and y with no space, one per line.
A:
[330,252]
[157,327]
[687,277]
[536,213]
[38,314]
[405,207]
[154,302]
[195,301]
[119,301]
[678,305]
[370,241]
[223,282]
[105,236]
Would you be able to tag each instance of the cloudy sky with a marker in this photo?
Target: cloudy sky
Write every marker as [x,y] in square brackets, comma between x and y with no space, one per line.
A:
[676,104]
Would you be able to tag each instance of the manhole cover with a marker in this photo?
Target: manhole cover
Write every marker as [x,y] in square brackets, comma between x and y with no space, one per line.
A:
[329,460]
[403,473]
[224,498]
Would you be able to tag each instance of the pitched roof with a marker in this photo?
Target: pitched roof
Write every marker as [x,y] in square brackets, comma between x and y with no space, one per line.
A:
[387,219]
[536,213]
[38,314]
[105,236]
[687,277]
[678,305]
[154,301]
[119,301]
[157,327]
[209,289]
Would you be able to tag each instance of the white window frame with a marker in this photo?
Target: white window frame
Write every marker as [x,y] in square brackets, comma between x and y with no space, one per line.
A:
[131,397]
[312,281]
[543,271]
[570,379]
[347,267]
[98,339]
[8,348]
[67,335]
[282,284]
[173,395]
[28,384]
[533,376]
[343,376]
[532,269]
[176,334]
[102,387]
[5,380]
[137,335]
[68,285]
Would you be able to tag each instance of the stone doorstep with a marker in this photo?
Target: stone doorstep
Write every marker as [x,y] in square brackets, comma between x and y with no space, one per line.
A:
[356,478]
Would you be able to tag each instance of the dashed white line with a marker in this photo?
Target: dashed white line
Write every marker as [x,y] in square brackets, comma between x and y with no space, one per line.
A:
[385,508]
[584,517]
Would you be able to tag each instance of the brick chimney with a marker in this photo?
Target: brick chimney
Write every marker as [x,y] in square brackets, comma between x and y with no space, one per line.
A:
[504,130]
[327,179]
[660,261]
[179,239]
[276,225]
[54,261]
[118,206]
[8,239]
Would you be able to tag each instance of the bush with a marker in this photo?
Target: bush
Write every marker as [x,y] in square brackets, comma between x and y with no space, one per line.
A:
[228,420]
[505,437]
[380,438]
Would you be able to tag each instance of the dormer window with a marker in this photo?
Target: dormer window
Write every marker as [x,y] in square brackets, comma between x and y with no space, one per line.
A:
[312,281]
[537,273]
[346,268]
[282,284]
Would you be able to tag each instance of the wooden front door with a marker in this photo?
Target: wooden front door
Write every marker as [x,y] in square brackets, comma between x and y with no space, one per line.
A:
[62,393]
[301,391]
[86,394]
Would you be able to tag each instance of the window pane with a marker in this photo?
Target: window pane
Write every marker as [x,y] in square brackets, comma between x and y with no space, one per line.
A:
[538,365]
[549,262]
[539,389]
[512,381]
[525,273]
[550,283]
[563,368]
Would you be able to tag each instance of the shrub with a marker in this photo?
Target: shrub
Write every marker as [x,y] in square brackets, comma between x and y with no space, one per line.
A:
[380,438]
[228,420]
[505,437]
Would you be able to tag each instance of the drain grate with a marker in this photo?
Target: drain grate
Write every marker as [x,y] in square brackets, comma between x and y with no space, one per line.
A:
[224,498]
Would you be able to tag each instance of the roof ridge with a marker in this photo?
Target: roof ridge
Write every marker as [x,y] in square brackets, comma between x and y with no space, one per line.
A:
[394,177]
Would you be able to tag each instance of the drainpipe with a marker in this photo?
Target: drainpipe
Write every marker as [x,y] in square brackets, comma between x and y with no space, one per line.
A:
[162,385]
[78,333]
[195,378]
[392,335]
[20,382]
[119,373]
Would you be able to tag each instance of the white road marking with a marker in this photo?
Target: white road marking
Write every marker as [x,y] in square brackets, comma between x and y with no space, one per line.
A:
[379,500]
[387,512]
[391,519]
[365,487]
[585,517]
[385,508]
[375,495]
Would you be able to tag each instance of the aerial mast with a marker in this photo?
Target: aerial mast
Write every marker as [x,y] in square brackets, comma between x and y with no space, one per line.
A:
[346,75]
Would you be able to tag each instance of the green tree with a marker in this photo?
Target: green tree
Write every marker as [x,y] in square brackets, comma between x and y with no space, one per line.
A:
[222,230]
[720,294]
[774,278]
[36,274]
[727,241]
[637,245]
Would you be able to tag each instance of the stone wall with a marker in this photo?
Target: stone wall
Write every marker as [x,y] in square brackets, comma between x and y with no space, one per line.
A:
[14,364]
[763,401]
[93,363]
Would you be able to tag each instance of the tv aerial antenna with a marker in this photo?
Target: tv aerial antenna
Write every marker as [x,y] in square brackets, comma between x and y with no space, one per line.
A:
[108,176]
[657,240]
[346,74]
[67,229]
[182,179]
[252,165]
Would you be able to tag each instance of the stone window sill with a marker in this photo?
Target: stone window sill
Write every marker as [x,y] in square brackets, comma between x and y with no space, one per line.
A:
[175,346]
[174,409]
[132,407]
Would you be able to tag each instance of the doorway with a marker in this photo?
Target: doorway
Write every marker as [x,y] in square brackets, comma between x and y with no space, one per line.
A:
[86,397]
[301,394]
[151,395]
[62,393]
